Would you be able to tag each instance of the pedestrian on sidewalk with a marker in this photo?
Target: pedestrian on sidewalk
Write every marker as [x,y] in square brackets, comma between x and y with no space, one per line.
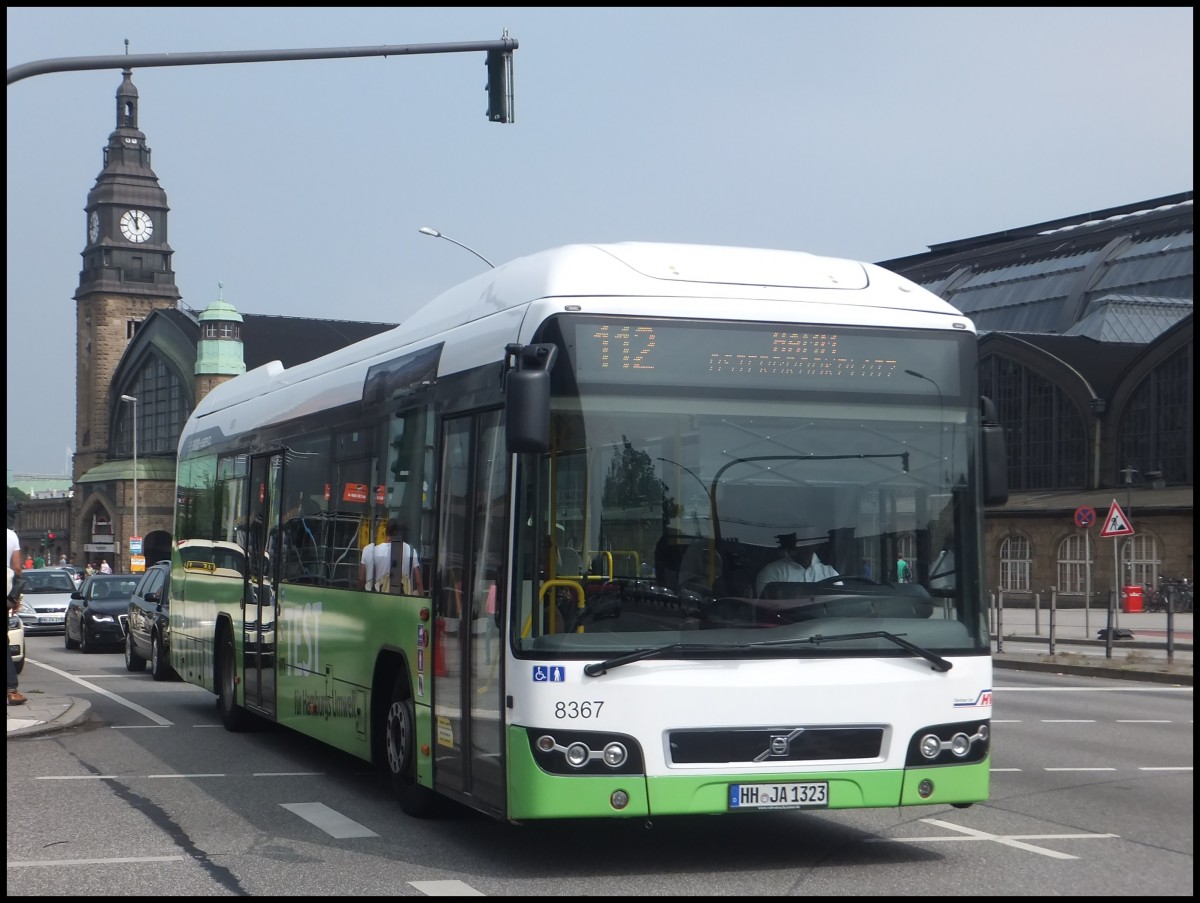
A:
[15,567]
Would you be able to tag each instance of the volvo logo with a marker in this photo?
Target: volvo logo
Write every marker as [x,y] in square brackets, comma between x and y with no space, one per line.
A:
[780,745]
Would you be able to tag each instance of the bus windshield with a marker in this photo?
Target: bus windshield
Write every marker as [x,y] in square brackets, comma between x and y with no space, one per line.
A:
[734,484]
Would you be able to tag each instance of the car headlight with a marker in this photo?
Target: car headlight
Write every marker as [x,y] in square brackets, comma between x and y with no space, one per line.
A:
[27,610]
[102,619]
[13,622]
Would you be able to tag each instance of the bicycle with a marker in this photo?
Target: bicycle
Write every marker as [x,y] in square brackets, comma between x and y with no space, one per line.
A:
[1173,593]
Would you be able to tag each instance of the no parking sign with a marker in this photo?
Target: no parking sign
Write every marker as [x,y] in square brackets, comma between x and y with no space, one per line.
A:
[1085,516]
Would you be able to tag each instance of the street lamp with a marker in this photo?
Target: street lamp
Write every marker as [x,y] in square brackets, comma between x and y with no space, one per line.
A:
[425,230]
[942,416]
[132,399]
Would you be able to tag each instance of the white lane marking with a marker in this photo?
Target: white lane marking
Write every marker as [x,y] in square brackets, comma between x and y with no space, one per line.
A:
[1010,840]
[288,774]
[157,719]
[1068,721]
[445,889]
[138,727]
[329,820]
[216,774]
[1079,769]
[994,770]
[1157,688]
[1144,721]
[1164,768]
[48,862]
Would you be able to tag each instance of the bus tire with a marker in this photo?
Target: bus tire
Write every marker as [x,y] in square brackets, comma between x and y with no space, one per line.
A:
[233,716]
[398,757]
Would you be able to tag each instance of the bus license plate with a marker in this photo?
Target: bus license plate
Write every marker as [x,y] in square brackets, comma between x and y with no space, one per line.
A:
[801,794]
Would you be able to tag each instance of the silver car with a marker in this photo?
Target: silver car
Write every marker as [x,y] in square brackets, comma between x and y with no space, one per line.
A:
[44,600]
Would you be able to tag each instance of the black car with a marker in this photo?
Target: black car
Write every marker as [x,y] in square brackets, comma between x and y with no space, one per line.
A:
[98,612]
[149,633]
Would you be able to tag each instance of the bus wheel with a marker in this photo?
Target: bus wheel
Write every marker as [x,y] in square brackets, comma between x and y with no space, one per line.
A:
[233,716]
[398,761]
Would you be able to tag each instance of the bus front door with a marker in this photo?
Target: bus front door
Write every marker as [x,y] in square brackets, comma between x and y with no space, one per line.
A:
[468,690]
[258,610]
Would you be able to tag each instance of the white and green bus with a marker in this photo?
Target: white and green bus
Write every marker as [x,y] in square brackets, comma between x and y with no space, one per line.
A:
[595,451]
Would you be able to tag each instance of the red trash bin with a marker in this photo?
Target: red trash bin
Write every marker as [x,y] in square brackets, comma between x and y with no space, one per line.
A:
[1133,599]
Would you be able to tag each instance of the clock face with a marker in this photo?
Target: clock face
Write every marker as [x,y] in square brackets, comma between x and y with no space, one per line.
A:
[93,227]
[136,225]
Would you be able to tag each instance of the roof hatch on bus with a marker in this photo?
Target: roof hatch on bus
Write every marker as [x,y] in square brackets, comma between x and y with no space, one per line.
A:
[739,266]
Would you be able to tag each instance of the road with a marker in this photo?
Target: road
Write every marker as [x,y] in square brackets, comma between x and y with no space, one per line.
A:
[1091,795]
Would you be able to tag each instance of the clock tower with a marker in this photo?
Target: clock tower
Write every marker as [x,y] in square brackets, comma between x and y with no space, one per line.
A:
[126,273]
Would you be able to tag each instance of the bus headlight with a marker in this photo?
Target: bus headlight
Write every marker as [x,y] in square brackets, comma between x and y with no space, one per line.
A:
[615,755]
[960,745]
[944,744]
[586,752]
[930,746]
[578,755]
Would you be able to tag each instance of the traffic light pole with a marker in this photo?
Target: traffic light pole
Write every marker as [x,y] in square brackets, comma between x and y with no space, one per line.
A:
[498,62]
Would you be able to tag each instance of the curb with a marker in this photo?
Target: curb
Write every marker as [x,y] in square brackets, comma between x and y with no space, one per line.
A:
[75,713]
[1111,672]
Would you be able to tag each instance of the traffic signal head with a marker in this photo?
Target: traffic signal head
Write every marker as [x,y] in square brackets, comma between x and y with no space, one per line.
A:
[499,86]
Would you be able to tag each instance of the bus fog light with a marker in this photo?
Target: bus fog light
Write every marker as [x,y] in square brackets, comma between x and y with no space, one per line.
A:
[619,799]
[983,732]
[925,789]
[960,745]
[930,746]
[578,755]
[615,755]
[545,743]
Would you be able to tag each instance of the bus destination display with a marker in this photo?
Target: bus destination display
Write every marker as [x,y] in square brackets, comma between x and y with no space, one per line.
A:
[660,353]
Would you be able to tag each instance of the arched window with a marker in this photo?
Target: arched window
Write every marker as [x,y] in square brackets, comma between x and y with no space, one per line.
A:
[1156,428]
[162,409]
[1044,432]
[1073,564]
[1141,559]
[1015,564]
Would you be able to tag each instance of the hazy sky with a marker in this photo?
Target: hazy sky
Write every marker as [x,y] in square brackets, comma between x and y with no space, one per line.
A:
[863,133]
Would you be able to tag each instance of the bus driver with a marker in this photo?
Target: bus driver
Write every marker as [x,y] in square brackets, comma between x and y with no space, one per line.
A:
[798,563]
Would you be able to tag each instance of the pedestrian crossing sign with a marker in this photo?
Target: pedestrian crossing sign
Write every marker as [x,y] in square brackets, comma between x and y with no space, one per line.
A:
[1116,524]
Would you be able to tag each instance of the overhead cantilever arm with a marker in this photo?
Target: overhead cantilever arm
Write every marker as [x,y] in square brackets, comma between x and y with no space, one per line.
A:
[150,60]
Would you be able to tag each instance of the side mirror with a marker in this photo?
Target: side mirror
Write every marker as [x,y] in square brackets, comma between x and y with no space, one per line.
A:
[993,455]
[527,397]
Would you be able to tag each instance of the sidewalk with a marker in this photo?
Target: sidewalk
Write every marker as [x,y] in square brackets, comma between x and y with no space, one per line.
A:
[1023,641]
[1024,646]
[43,714]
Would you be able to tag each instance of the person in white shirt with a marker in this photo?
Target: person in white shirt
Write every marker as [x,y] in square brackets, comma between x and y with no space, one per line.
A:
[15,567]
[798,563]
[105,567]
[387,565]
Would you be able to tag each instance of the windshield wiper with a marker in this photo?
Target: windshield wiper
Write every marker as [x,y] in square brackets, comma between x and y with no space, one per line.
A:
[939,663]
[597,668]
